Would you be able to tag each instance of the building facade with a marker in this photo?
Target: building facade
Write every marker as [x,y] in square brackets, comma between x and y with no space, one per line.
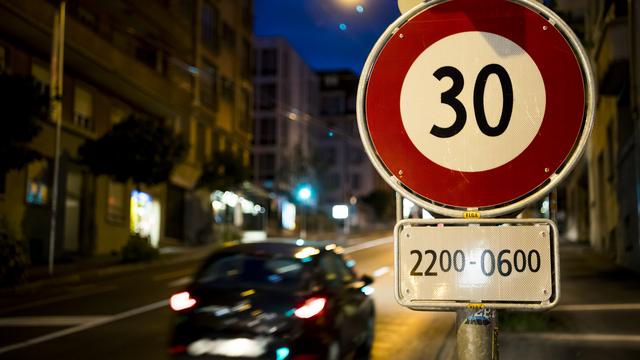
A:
[603,196]
[285,107]
[346,174]
[285,110]
[186,64]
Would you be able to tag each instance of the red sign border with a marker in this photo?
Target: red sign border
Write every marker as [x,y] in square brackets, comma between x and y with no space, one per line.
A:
[407,170]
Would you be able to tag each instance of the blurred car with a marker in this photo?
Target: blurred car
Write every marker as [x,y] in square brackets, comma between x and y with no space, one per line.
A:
[275,300]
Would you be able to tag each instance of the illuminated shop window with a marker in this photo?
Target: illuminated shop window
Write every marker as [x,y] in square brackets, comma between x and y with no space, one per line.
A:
[145,216]
[37,183]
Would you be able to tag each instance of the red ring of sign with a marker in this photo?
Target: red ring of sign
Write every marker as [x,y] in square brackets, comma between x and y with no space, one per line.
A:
[561,125]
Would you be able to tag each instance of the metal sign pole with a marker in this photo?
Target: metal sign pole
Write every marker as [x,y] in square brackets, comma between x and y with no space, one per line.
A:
[57,61]
[476,329]
[477,334]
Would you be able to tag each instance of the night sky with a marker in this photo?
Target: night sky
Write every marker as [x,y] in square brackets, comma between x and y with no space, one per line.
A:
[328,34]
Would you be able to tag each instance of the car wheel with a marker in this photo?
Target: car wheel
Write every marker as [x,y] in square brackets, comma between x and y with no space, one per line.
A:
[333,352]
[363,352]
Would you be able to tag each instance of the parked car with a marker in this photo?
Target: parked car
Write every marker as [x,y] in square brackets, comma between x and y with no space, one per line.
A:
[275,300]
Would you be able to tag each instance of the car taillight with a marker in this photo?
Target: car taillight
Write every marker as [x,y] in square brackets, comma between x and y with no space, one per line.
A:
[311,308]
[181,301]
[178,349]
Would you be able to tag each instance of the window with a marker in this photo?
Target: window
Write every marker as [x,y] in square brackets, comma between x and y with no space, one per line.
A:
[208,85]
[228,36]
[83,108]
[332,104]
[222,143]
[266,166]
[247,13]
[333,181]
[3,59]
[267,96]
[330,81]
[200,143]
[253,271]
[269,62]
[284,131]
[355,181]
[228,89]
[357,155]
[267,131]
[41,75]
[186,10]
[210,21]
[245,58]
[116,202]
[246,118]
[117,114]
[149,55]
[335,272]
[38,183]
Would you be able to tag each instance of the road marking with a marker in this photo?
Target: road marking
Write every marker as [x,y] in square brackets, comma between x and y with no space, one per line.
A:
[381,271]
[368,245]
[59,298]
[173,274]
[133,312]
[23,321]
[86,326]
[180,282]
[597,307]
[578,337]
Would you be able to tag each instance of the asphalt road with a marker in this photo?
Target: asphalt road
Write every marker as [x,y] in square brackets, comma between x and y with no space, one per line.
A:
[126,316]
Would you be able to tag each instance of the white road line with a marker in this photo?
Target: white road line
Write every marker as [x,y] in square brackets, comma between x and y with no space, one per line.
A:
[551,336]
[368,244]
[58,299]
[146,308]
[173,274]
[597,307]
[23,321]
[179,282]
[381,271]
[86,326]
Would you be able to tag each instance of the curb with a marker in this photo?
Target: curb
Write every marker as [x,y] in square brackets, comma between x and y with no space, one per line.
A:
[103,272]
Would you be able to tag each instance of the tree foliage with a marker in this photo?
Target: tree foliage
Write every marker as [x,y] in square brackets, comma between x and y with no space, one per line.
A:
[23,104]
[225,170]
[139,149]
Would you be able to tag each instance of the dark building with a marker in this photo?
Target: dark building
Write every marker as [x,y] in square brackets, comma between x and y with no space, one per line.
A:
[186,64]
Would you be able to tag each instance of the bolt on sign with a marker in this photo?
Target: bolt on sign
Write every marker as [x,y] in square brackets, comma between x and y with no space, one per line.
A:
[474,109]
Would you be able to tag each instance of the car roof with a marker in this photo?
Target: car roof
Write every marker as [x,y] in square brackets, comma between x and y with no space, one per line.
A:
[284,247]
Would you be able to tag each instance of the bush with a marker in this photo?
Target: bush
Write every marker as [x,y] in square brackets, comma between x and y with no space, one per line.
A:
[138,248]
[14,261]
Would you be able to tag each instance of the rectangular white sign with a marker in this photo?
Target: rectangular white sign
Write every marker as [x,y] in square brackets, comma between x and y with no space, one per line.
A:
[451,264]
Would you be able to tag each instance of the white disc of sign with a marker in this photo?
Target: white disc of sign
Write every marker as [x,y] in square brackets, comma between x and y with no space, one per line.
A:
[467,105]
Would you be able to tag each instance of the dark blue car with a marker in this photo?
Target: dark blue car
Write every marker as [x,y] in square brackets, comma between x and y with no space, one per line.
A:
[275,300]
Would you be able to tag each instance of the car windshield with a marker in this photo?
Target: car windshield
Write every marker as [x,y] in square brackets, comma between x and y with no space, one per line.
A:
[252,270]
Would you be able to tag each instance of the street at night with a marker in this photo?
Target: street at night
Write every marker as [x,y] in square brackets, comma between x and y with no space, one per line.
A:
[320,179]
[127,316]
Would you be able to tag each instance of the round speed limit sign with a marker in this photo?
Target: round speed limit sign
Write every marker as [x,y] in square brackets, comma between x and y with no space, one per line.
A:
[469,105]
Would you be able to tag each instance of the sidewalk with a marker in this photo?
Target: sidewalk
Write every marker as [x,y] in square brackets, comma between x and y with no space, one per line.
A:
[598,316]
[87,269]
